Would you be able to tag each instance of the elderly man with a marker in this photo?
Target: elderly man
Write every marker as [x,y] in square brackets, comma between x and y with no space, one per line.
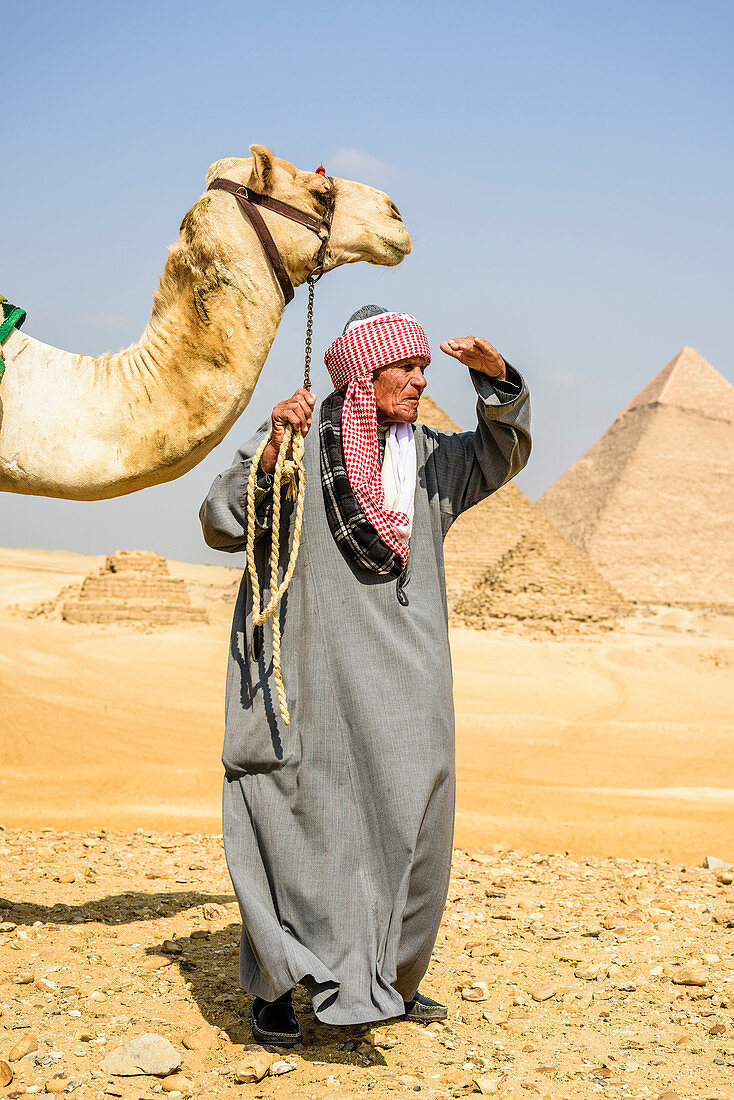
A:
[338,827]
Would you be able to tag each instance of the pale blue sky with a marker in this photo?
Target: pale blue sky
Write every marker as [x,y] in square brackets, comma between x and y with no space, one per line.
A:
[565,169]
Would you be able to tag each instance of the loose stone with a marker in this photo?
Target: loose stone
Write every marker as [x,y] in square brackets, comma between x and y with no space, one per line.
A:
[689,975]
[24,1046]
[177,1082]
[204,1038]
[483,950]
[715,864]
[254,1066]
[170,947]
[155,962]
[594,931]
[459,1079]
[488,1086]
[380,1037]
[6,1074]
[282,1065]
[577,1001]
[477,991]
[57,1084]
[543,992]
[145,1054]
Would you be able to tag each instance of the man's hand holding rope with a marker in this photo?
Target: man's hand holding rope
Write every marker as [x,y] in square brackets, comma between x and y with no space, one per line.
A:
[296,411]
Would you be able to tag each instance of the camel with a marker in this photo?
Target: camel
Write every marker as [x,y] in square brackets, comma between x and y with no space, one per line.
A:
[84,428]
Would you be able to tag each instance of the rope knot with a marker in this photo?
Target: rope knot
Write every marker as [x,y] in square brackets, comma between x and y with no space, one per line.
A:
[290,470]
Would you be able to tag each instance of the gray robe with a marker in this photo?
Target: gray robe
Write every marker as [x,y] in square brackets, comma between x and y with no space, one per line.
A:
[338,828]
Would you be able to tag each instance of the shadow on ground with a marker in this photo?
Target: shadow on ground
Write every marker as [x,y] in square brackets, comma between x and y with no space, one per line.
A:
[132,905]
[209,964]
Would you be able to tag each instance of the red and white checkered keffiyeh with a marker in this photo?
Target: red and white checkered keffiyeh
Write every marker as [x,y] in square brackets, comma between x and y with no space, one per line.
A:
[351,360]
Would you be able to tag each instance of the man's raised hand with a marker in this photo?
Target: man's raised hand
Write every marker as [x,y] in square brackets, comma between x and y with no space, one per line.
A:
[477,353]
[297,411]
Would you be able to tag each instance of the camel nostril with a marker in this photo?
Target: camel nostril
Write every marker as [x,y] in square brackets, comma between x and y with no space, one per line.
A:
[395,212]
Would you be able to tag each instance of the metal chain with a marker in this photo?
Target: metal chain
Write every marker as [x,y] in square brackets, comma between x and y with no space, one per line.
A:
[309,334]
[312,279]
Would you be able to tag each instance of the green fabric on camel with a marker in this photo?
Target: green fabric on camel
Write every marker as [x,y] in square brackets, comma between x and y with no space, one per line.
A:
[12,317]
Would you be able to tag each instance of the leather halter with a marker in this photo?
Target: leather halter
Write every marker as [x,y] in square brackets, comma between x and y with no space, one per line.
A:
[249,201]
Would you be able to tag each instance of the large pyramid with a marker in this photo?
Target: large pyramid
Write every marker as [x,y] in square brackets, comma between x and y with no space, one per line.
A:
[652,502]
[506,564]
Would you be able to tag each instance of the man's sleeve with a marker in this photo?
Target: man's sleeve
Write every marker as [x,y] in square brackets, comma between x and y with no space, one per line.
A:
[471,465]
[222,514]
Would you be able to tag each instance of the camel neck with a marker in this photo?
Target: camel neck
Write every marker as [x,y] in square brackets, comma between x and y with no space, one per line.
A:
[213,334]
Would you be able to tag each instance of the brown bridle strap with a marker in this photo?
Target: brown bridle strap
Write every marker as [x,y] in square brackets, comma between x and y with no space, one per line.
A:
[249,201]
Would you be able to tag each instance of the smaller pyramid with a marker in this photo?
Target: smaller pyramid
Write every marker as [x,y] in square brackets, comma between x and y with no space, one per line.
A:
[544,584]
[134,586]
[506,564]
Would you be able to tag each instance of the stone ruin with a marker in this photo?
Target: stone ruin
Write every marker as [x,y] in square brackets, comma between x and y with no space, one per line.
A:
[134,587]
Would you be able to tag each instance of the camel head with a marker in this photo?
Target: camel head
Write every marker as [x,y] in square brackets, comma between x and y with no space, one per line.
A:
[367,224]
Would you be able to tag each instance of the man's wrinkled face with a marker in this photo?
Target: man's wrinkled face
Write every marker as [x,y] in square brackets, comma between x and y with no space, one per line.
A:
[398,389]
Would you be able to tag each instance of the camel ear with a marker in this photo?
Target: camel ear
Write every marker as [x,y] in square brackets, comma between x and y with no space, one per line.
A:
[263,163]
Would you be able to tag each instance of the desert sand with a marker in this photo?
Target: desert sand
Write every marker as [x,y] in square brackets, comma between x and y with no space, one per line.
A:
[595,773]
[617,744]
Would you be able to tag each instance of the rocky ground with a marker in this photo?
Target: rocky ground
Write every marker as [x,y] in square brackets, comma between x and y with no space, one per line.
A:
[565,977]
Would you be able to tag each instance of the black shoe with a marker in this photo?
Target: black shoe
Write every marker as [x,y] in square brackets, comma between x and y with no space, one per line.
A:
[424,1009]
[274,1023]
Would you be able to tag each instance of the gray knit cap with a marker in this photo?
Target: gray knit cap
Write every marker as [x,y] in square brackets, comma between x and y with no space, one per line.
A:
[363,314]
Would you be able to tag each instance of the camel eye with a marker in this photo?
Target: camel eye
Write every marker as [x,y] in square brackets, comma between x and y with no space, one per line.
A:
[321,198]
